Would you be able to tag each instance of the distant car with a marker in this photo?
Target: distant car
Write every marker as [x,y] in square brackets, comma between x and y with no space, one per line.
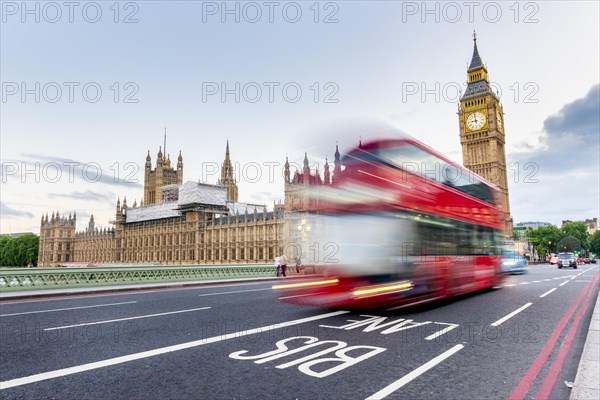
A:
[553,260]
[513,263]
[567,260]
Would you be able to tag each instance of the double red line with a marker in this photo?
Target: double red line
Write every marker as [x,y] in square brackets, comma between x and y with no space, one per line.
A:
[546,389]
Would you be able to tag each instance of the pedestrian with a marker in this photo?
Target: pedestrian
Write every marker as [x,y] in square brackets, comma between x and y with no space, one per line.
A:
[283,261]
[278,265]
[300,266]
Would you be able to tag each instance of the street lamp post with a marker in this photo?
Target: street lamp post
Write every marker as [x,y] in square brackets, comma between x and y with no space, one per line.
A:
[303,229]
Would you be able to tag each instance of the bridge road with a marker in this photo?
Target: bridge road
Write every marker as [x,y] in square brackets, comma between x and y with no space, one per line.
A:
[230,341]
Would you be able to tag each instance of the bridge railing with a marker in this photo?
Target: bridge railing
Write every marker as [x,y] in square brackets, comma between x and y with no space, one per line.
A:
[48,278]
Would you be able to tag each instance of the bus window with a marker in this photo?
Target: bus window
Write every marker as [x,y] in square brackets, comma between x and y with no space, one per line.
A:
[418,161]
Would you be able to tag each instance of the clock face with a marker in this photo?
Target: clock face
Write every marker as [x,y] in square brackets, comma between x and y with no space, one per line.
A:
[476,121]
[499,120]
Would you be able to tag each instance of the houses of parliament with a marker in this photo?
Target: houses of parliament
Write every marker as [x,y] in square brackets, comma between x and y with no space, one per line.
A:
[184,223]
[181,223]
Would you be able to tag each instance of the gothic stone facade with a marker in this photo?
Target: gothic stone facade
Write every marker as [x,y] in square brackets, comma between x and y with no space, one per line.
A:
[191,223]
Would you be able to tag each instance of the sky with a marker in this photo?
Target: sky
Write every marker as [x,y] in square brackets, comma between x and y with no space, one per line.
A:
[88,89]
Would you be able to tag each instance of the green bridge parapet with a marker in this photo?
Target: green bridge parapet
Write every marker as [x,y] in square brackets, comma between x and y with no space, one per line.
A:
[61,277]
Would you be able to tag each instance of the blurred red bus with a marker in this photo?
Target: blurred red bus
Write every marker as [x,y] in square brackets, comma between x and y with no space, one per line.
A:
[406,225]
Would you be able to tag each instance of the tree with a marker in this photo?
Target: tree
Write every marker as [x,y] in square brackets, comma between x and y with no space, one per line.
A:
[570,244]
[595,242]
[5,242]
[545,239]
[19,252]
[577,230]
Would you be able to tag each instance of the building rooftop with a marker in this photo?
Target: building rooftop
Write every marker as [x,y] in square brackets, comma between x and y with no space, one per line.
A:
[152,212]
[196,193]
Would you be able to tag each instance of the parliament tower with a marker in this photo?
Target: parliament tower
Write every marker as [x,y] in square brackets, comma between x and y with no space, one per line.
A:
[164,174]
[482,135]
[228,178]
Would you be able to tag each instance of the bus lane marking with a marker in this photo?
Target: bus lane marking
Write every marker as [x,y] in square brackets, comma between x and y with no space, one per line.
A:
[545,391]
[374,323]
[67,309]
[548,292]
[340,357]
[163,350]
[521,390]
[126,319]
[509,316]
[386,391]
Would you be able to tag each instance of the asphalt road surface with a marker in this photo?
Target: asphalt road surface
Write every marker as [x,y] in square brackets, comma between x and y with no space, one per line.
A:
[521,340]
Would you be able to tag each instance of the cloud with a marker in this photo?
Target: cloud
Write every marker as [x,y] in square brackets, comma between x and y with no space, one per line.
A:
[88,195]
[559,179]
[68,169]
[580,118]
[8,212]
[570,137]
[261,197]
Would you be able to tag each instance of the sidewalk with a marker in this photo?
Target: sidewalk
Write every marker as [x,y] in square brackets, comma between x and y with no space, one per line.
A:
[587,381]
[27,294]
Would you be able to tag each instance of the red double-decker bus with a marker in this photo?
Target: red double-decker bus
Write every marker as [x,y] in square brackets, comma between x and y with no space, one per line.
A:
[404,225]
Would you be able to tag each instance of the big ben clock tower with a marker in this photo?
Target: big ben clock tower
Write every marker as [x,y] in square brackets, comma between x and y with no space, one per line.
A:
[482,136]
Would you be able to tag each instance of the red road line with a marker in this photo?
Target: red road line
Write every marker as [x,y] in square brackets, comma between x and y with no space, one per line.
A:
[548,384]
[523,387]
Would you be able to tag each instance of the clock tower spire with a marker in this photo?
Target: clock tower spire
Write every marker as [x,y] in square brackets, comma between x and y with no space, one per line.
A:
[482,136]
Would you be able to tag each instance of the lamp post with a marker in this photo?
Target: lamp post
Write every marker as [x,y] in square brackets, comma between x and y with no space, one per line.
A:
[303,230]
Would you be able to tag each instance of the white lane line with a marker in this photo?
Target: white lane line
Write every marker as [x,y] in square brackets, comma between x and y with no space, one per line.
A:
[386,391]
[235,291]
[440,333]
[9,301]
[523,283]
[66,309]
[510,284]
[6,302]
[564,283]
[298,295]
[574,277]
[126,319]
[548,292]
[151,353]
[509,316]
[546,280]
[535,281]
